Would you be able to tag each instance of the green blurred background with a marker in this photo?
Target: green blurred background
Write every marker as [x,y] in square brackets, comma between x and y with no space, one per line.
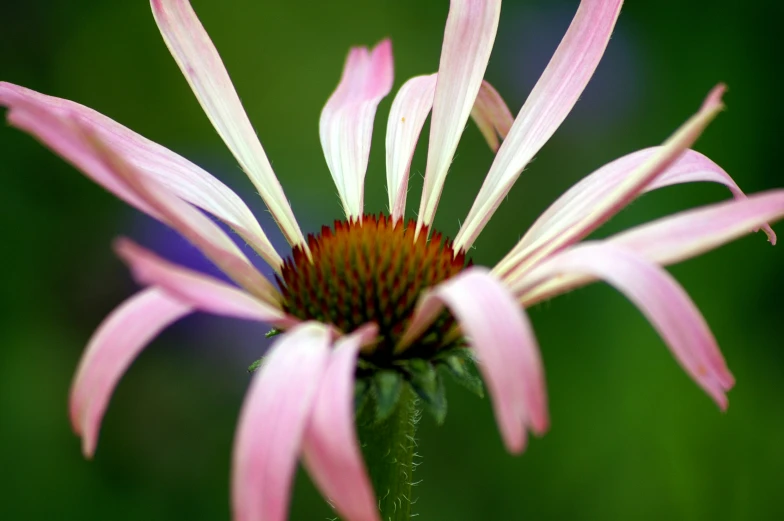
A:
[632,437]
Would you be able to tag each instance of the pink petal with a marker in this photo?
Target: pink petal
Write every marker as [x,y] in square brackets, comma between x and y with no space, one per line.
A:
[273,420]
[409,111]
[580,200]
[178,175]
[57,132]
[199,291]
[67,131]
[600,210]
[468,39]
[663,302]
[406,117]
[673,239]
[332,452]
[188,221]
[346,124]
[691,233]
[492,116]
[498,329]
[112,348]
[202,66]
[554,95]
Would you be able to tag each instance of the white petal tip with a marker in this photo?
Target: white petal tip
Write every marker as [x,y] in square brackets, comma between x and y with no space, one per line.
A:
[88,447]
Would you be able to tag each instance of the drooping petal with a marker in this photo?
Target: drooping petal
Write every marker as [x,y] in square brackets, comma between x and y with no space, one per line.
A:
[406,118]
[688,234]
[58,134]
[551,100]
[676,238]
[492,116]
[622,193]
[112,348]
[660,298]
[578,202]
[202,66]
[187,220]
[346,124]
[273,420]
[68,131]
[409,111]
[468,39]
[498,329]
[178,175]
[332,453]
[196,289]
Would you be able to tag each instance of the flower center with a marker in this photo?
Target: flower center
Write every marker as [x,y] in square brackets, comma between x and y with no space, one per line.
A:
[373,271]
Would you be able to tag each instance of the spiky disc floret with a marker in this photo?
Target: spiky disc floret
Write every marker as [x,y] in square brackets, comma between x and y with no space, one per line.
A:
[371,271]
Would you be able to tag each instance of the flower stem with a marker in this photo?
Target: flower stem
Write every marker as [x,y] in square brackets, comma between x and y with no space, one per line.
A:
[389,447]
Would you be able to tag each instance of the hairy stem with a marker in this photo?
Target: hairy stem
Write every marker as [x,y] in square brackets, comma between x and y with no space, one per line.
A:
[389,448]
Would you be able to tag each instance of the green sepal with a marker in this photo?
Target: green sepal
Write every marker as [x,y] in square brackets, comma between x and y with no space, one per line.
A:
[458,367]
[361,395]
[272,332]
[461,352]
[429,386]
[364,365]
[387,386]
[252,368]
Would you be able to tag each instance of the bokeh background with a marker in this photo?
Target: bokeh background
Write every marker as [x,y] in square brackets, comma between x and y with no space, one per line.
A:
[632,437]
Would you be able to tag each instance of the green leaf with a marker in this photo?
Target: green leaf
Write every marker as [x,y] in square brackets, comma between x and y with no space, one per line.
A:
[429,386]
[387,385]
[459,368]
[461,352]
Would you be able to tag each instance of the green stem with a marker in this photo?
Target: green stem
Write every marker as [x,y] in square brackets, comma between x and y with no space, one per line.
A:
[389,447]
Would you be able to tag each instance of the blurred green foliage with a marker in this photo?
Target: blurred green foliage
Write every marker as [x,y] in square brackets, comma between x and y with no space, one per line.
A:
[632,437]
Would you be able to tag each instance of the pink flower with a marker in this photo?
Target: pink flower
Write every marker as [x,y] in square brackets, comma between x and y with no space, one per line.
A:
[375,287]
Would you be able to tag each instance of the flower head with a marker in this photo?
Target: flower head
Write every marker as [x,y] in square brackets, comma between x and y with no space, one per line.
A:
[376,294]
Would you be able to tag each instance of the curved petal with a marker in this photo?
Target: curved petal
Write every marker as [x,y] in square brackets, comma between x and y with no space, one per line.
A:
[406,118]
[409,111]
[332,453]
[677,237]
[202,66]
[178,175]
[498,329]
[187,220]
[468,39]
[346,124]
[688,234]
[112,348]
[69,131]
[580,199]
[551,100]
[200,291]
[622,193]
[492,116]
[660,298]
[59,135]
[273,420]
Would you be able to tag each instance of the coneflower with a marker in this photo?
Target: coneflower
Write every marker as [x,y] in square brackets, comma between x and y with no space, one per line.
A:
[369,309]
